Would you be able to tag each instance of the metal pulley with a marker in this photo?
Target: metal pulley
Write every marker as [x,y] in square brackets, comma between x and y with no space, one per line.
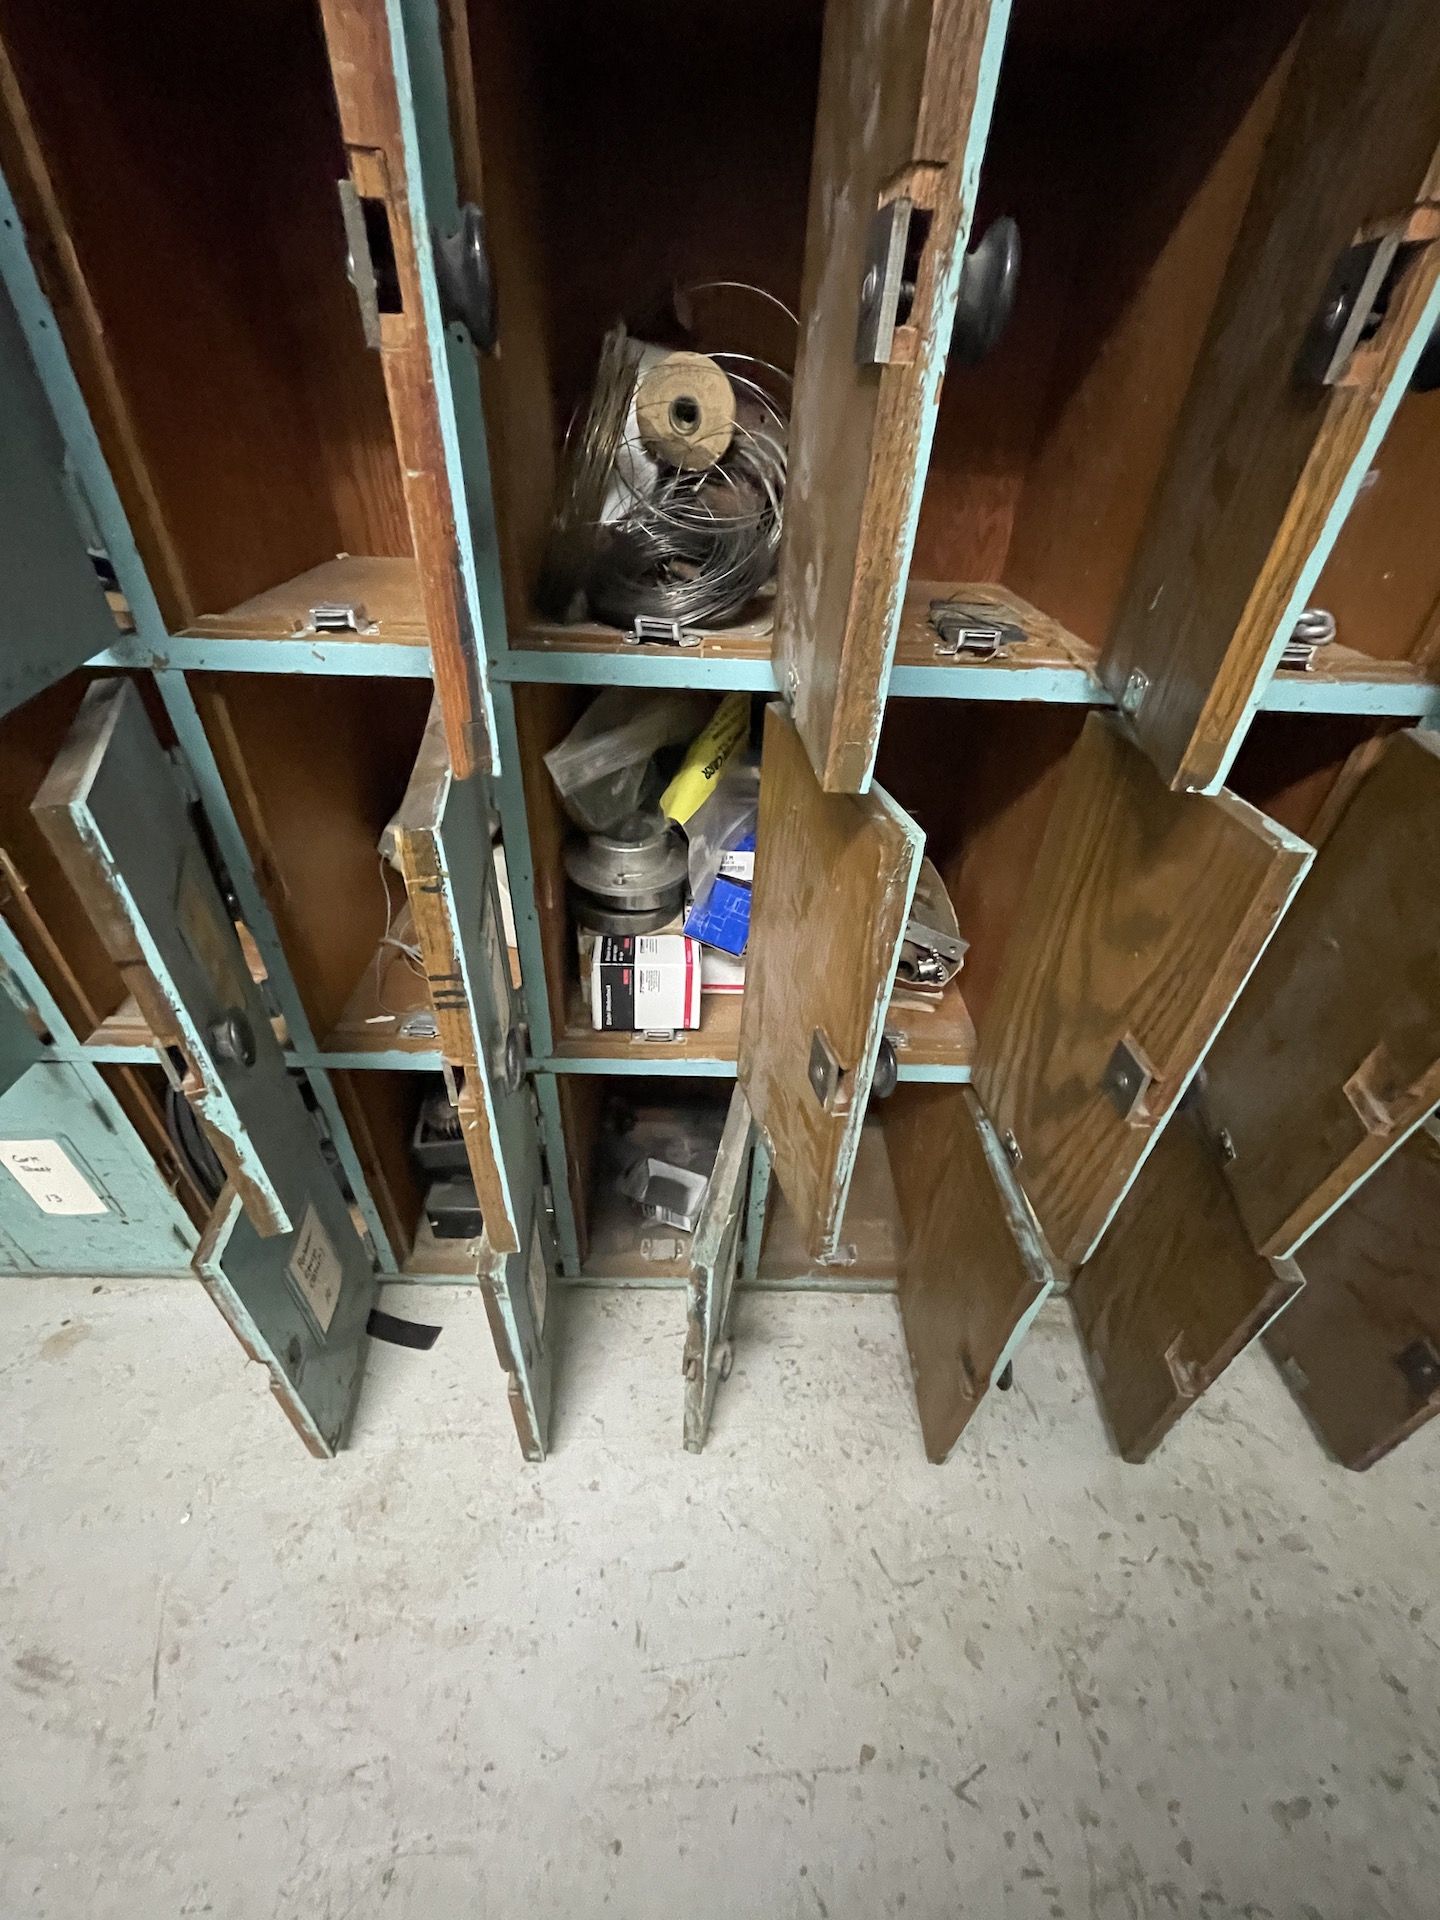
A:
[466,283]
[989,282]
[629,880]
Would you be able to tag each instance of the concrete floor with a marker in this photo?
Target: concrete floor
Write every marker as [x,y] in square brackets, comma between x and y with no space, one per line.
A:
[805,1675]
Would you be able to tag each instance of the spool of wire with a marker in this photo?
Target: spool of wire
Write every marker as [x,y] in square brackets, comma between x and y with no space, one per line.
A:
[675,518]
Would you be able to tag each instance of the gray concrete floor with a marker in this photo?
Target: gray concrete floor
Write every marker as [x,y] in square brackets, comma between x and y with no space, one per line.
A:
[805,1675]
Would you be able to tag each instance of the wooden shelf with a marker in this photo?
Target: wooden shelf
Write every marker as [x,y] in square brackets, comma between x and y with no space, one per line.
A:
[387,588]
[432,1259]
[1046,645]
[389,994]
[747,640]
[932,1034]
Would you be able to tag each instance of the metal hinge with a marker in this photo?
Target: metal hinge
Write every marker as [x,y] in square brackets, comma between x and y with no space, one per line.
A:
[1315,628]
[649,630]
[970,631]
[340,616]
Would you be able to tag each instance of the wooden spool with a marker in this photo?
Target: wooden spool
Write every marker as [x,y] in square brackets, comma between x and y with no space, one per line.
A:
[685,410]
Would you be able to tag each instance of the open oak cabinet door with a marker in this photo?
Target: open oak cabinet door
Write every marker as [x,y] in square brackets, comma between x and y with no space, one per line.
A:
[1360,1349]
[834,878]
[1332,1055]
[1144,913]
[715,1262]
[441,837]
[400,206]
[904,109]
[1175,1291]
[294,1279]
[53,613]
[1329,297]
[975,1269]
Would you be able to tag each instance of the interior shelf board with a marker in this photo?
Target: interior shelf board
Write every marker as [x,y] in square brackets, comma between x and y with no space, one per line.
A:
[432,1259]
[386,1012]
[387,587]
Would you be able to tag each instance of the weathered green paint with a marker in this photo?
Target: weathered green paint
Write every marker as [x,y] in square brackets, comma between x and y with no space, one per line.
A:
[714,1263]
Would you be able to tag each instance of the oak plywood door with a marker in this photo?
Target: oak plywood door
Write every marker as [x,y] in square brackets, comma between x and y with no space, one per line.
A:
[282,1256]
[388,68]
[1144,913]
[834,877]
[1174,1292]
[905,96]
[715,1261]
[974,1270]
[441,837]
[1280,423]
[1332,1055]
[1360,1349]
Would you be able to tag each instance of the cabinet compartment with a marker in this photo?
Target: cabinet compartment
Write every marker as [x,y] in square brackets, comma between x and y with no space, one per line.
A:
[621,153]
[177,185]
[1125,142]
[315,768]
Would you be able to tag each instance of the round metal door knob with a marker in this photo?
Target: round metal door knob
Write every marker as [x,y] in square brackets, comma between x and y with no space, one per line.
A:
[887,1071]
[232,1039]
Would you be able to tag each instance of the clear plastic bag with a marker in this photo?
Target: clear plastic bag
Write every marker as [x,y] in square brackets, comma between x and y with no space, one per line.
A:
[722,822]
[599,768]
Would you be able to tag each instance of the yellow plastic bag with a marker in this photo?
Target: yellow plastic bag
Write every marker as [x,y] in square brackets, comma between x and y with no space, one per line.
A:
[708,757]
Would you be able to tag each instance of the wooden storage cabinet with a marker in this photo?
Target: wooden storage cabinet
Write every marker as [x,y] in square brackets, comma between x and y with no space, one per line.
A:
[268,745]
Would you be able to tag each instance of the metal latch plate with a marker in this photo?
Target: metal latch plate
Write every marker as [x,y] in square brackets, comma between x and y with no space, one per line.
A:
[649,630]
[882,282]
[1127,1079]
[970,631]
[340,616]
[828,1079]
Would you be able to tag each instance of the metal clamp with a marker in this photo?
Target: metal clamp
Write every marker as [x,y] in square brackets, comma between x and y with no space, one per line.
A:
[1315,628]
[340,616]
[969,630]
[650,630]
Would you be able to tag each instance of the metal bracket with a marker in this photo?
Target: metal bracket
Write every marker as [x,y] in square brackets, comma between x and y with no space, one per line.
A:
[340,616]
[1012,1147]
[829,1081]
[1315,628]
[882,290]
[360,266]
[1132,696]
[1127,1079]
[970,631]
[649,630]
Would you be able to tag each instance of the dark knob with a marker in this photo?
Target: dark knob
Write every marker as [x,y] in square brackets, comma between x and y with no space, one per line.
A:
[887,1071]
[232,1039]
[465,281]
[989,281]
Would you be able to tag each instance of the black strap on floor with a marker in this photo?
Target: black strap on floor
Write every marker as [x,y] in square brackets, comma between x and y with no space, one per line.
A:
[401,1333]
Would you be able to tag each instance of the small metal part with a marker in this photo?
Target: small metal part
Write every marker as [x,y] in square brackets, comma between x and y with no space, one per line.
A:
[1012,1147]
[232,1039]
[514,1060]
[340,616]
[1132,697]
[359,266]
[1225,1143]
[1351,308]
[1420,1364]
[886,1076]
[933,947]
[465,279]
[969,630]
[882,287]
[650,630]
[1315,628]
[989,282]
[1128,1077]
[827,1076]
[637,870]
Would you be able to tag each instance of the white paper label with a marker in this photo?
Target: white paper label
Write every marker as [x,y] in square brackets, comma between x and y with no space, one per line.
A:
[50,1177]
[315,1268]
[539,1284]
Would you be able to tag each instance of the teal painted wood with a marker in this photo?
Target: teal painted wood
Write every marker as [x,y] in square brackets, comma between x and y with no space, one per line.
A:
[552,1142]
[204,770]
[67,403]
[53,614]
[1330,533]
[755,1206]
[637,667]
[509,795]
[298,1303]
[205,653]
[418,54]
[128,1222]
[521,1287]
[715,1261]
[699,1068]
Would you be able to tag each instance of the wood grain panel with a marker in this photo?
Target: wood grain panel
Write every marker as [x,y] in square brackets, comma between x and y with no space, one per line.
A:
[1333,1051]
[1360,1349]
[1144,913]
[972,1265]
[362,60]
[899,86]
[1261,458]
[834,877]
[1174,1292]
